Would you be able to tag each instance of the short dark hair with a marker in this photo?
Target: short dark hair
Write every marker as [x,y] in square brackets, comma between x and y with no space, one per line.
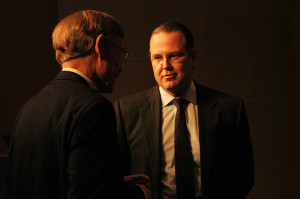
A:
[173,27]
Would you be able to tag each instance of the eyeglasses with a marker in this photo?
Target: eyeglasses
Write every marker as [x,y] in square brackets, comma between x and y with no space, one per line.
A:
[172,58]
[123,52]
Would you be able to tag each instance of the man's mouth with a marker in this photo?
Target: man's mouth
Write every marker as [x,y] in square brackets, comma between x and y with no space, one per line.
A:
[170,76]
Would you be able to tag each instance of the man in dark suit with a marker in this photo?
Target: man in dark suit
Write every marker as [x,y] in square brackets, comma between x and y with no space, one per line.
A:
[218,139]
[64,142]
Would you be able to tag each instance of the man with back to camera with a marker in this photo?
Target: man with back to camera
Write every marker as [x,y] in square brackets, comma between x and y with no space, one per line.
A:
[192,141]
[64,142]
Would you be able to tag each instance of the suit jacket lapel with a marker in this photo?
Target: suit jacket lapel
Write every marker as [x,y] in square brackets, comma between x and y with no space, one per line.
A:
[151,121]
[208,120]
[208,123]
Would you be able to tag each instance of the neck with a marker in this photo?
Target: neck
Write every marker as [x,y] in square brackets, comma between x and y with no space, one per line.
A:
[179,90]
[83,64]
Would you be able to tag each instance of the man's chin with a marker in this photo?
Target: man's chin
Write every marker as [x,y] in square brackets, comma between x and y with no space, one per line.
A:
[175,89]
[106,88]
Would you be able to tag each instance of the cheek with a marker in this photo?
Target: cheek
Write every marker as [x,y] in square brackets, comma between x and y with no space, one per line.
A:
[156,71]
[104,72]
[100,71]
[111,71]
[185,69]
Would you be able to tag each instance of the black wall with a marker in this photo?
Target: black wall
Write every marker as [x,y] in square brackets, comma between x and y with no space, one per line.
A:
[245,47]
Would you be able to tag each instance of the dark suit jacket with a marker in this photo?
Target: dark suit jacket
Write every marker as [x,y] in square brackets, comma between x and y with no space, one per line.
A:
[64,145]
[227,166]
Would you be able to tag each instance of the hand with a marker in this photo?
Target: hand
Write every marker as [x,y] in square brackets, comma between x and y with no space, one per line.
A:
[142,181]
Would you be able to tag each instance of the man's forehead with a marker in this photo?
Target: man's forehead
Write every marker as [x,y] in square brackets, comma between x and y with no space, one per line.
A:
[167,41]
[163,34]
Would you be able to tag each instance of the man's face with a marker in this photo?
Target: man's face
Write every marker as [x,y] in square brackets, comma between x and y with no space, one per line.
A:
[110,64]
[171,63]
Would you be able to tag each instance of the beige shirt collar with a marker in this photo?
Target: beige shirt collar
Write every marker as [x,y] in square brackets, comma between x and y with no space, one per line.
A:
[189,95]
[88,80]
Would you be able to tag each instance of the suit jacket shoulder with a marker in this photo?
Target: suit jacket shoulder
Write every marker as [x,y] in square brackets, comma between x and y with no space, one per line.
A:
[225,103]
[141,98]
[205,94]
[68,132]
[131,105]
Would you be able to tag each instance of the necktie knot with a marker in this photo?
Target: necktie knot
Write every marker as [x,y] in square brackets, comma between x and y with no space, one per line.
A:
[179,102]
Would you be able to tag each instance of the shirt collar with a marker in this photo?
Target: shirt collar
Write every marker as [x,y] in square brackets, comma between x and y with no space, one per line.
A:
[189,95]
[88,80]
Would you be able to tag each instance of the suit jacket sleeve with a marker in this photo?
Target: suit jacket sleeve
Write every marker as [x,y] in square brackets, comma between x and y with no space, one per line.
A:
[242,168]
[93,163]
[122,140]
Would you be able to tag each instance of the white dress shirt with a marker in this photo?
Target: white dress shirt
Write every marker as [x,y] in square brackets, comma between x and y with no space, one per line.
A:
[168,129]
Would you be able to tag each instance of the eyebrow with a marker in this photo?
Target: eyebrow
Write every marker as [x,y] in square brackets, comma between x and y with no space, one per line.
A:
[167,54]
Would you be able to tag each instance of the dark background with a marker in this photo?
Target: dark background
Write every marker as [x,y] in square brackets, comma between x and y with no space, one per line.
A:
[248,48]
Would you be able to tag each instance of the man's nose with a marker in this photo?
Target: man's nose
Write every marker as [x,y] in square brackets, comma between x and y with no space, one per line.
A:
[166,63]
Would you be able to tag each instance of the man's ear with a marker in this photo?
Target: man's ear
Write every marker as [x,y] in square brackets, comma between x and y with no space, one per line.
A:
[99,45]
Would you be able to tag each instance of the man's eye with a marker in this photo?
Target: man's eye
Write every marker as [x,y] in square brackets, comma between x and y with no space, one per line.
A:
[174,56]
[157,58]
